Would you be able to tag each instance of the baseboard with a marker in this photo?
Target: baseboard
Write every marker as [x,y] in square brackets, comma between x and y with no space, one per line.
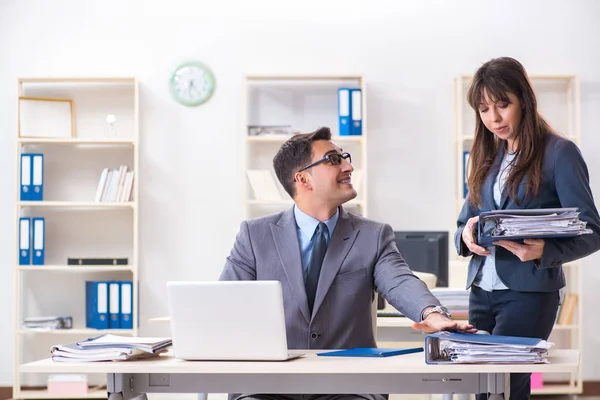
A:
[591,388]
[6,392]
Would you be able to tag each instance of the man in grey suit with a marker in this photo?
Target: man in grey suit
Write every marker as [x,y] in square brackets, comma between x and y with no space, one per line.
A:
[329,262]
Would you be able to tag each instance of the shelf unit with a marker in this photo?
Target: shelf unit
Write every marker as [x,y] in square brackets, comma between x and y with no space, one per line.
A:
[76,225]
[306,103]
[559,102]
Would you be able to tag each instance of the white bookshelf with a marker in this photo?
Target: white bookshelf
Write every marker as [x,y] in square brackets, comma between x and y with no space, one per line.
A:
[76,225]
[559,102]
[306,103]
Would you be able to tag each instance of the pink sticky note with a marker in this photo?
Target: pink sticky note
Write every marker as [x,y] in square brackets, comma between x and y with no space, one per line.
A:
[537,380]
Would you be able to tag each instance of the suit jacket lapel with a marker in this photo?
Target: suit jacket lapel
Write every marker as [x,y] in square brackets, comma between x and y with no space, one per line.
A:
[286,241]
[341,242]
[488,188]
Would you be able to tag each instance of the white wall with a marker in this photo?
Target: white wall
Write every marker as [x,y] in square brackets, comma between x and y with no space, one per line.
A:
[190,194]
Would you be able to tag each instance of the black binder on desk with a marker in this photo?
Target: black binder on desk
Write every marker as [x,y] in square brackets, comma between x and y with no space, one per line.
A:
[487,232]
[434,353]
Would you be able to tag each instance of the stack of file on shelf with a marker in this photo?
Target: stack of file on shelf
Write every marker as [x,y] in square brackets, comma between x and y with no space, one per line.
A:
[455,300]
[47,323]
[533,223]
[350,111]
[270,130]
[115,185]
[110,348]
[109,304]
[470,348]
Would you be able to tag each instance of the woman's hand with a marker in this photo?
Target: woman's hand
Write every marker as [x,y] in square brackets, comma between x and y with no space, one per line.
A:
[468,237]
[532,249]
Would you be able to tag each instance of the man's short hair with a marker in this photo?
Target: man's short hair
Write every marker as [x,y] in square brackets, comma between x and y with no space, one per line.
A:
[294,154]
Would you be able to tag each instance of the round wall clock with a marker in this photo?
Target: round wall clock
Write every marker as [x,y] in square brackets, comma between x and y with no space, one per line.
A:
[192,83]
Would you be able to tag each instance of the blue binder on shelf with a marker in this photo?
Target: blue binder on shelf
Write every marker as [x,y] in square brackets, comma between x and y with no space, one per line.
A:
[356,112]
[344,111]
[37,177]
[126,305]
[370,352]
[114,305]
[434,355]
[39,241]
[465,176]
[25,177]
[24,241]
[96,300]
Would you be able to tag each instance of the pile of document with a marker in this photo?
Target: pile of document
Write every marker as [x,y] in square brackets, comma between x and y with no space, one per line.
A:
[47,323]
[532,223]
[468,348]
[110,348]
[455,300]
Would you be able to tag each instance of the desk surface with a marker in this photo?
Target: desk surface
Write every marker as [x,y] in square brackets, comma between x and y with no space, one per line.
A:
[560,361]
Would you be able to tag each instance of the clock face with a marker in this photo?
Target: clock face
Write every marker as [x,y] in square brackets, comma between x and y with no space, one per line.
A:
[192,84]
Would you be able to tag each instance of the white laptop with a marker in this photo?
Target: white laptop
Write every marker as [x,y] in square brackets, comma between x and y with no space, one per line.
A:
[228,320]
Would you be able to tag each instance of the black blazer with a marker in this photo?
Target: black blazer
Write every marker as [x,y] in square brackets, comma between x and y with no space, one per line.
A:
[565,183]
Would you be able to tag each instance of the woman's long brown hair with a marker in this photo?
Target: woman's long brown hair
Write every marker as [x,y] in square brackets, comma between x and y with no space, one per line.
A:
[498,77]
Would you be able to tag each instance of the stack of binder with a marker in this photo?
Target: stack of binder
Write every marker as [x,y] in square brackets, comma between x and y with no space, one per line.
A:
[470,348]
[529,223]
[350,111]
[455,300]
[110,348]
[31,235]
[32,177]
[109,304]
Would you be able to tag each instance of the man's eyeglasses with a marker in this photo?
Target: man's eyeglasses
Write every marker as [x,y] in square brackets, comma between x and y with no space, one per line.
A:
[333,158]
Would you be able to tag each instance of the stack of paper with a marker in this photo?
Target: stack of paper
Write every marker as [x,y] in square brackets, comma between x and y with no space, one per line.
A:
[465,348]
[110,348]
[47,323]
[532,223]
[455,300]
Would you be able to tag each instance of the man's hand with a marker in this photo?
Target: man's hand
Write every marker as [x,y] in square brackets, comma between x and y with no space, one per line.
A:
[468,236]
[439,322]
[533,249]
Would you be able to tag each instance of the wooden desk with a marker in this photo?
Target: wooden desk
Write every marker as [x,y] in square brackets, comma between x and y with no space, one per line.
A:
[310,374]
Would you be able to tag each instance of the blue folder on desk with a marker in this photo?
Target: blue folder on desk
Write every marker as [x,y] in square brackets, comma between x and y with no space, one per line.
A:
[370,352]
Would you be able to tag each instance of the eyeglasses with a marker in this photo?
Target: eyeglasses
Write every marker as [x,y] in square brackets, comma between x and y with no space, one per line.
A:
[333,158]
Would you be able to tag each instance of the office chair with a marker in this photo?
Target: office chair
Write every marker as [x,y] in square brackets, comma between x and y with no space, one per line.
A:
[429,278]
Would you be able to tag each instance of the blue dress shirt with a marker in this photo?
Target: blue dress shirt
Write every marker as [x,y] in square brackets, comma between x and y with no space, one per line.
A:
[488,278]
[305,227]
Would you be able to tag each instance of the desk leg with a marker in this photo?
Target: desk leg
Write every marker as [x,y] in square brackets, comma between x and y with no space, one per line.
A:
[500,386]
[457,396]
[119,387]
[119,396]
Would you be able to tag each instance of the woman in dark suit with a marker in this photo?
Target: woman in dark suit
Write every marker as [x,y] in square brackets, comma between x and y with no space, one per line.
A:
[519,162]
